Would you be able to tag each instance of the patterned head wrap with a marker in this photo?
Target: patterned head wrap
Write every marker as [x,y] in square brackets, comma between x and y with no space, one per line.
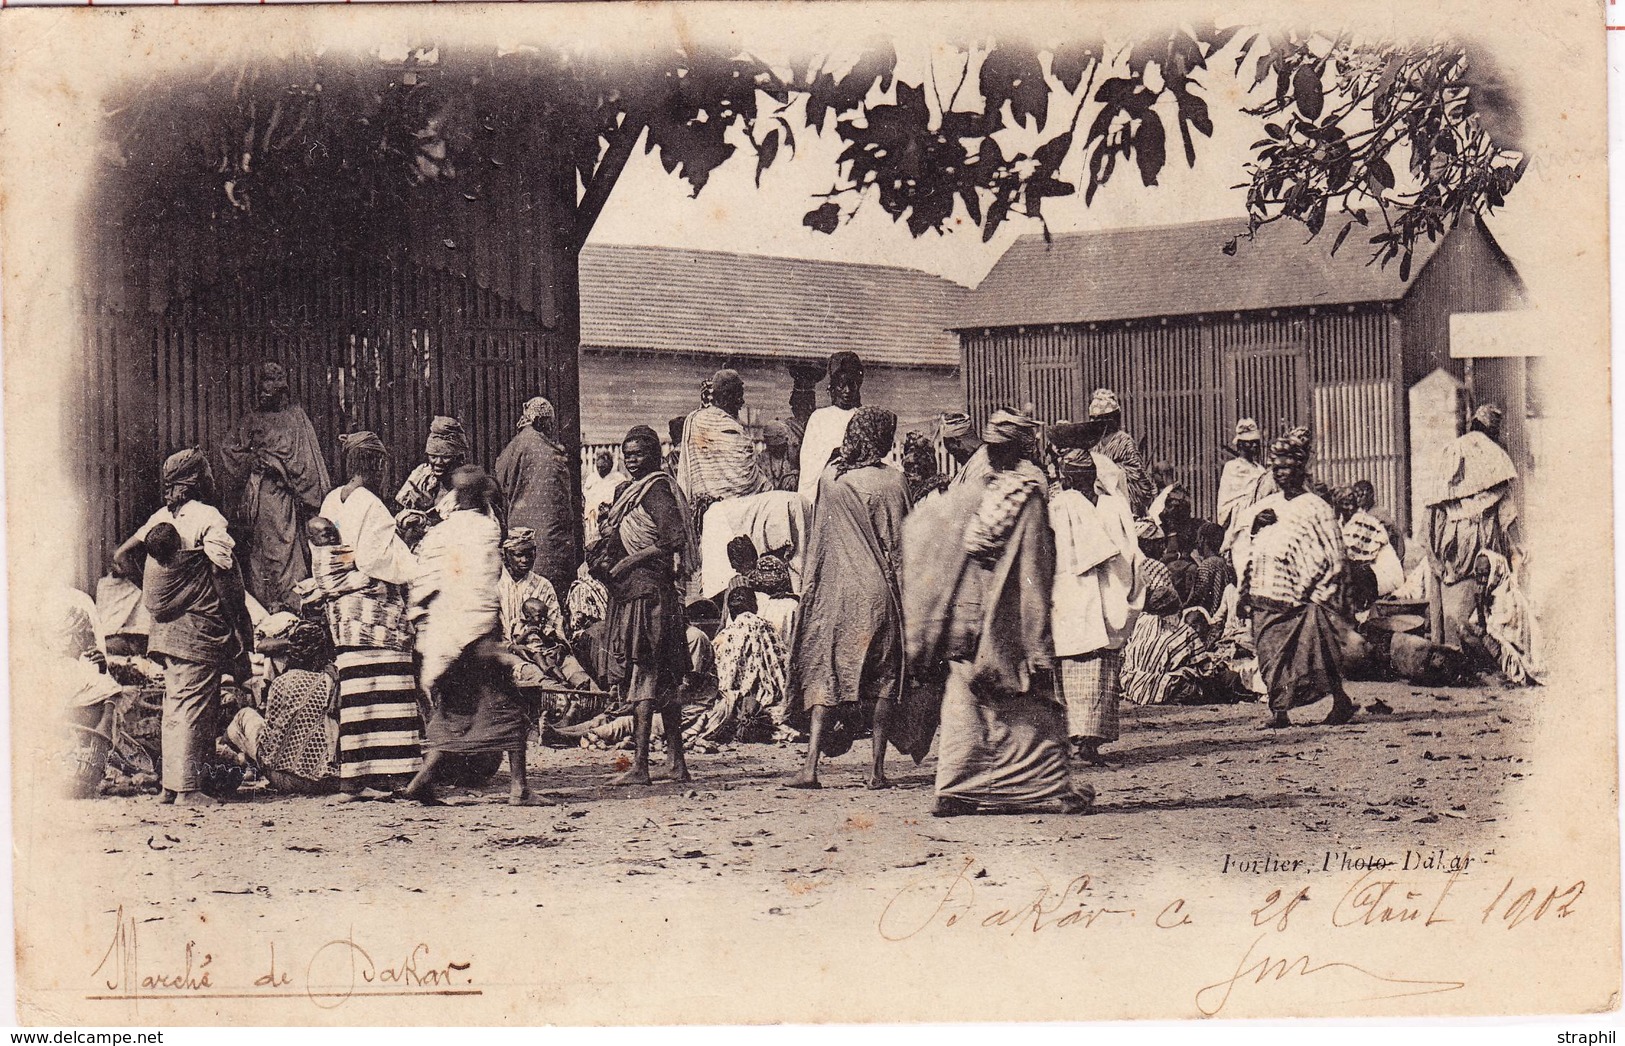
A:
[1075,459]
[1009,427]
[1104,402]
[1488,415]
[917,450]
[446,436]
[519,539]
[869,437]
[1346,499]
[1293,447]
[776,435]
[1247,429]
[537,408]
[771,576]
[845,366]
[1148,530]
[186,468]
[355,444]
[954,425]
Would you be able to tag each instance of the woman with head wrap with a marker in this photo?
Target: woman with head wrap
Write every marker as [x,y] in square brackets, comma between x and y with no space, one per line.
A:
[380,727]
[979,583]
[534,474]
[1501,633]
[1473,511]
[275,480]
[464,667]
[295,741]
[200,626]
[1106,414]
[776,600]
[428,486]
[847,655]
[645,545]
[826,429]
[1291,561]
[1095,598]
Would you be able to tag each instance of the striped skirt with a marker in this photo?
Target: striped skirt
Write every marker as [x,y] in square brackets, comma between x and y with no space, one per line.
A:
[380,726]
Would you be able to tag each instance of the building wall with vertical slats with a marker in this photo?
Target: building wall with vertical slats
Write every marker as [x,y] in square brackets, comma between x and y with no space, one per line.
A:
[1184,381]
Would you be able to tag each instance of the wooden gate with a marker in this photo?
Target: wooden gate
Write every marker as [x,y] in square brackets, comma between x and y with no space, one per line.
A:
[366,346]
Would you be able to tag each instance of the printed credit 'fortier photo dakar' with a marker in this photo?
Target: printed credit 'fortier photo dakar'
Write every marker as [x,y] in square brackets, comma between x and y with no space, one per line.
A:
[680,513]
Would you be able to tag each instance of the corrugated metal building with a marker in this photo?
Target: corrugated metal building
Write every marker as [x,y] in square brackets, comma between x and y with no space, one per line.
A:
[1192,339]
[657,321]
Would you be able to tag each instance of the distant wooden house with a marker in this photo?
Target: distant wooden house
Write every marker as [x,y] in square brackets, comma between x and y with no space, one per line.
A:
[1192,339]
[658,321]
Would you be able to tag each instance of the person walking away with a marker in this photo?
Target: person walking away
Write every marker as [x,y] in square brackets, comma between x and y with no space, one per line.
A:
[276,480]
[979,583]
[826,429]
[847,657]
[1095,600]
[1293,564]
[648,543]
[534,476]
[428,486]
[475,707]
[1120,448]
[1474,511]
[380,723]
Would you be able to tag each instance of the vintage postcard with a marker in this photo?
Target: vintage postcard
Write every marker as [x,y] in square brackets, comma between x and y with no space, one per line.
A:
[808,512]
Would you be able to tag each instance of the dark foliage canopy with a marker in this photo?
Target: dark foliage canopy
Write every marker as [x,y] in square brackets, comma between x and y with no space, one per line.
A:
[1389,141]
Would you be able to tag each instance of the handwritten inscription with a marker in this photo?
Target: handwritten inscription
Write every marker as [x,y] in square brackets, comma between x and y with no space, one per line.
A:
[1419,890]
[337,971]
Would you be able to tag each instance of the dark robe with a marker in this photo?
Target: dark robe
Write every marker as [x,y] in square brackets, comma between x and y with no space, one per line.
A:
[269,508]
[535,480]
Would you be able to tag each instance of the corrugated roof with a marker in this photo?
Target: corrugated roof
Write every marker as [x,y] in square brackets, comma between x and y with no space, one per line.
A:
[1178,270]
[714,302]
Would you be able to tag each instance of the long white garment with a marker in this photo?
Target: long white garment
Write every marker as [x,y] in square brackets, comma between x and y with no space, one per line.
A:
[826,429]
[597,493]
[1242,484]
[1095,601]
[460,563]
[366,526]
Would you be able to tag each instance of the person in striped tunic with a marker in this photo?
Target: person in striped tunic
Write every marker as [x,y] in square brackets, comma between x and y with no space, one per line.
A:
[380,725]
[1293,563]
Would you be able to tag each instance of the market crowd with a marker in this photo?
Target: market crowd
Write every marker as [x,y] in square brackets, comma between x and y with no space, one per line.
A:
[817,583]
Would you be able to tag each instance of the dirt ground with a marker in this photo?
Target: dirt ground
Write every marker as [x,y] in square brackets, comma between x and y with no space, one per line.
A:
[1197,781]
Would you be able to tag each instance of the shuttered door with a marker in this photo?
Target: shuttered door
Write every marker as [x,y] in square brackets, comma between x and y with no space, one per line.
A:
[1269,383]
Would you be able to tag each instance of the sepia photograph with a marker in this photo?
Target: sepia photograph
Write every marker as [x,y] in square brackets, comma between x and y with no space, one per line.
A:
[729,513]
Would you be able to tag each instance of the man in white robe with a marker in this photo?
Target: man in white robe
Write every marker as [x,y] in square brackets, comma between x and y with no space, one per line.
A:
[826,429]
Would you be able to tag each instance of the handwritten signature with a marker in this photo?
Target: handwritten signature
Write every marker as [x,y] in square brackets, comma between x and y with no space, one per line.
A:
[1211,999]
[336,972]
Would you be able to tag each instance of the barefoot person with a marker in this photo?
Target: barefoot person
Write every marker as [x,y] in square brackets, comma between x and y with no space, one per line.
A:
[193,590]
[1292,556]
[476,708]
[978,585]
[648,649]
[848,652]
[380,727]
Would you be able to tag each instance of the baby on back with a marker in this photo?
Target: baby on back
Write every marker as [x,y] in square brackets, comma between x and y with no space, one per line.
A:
[332,562]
